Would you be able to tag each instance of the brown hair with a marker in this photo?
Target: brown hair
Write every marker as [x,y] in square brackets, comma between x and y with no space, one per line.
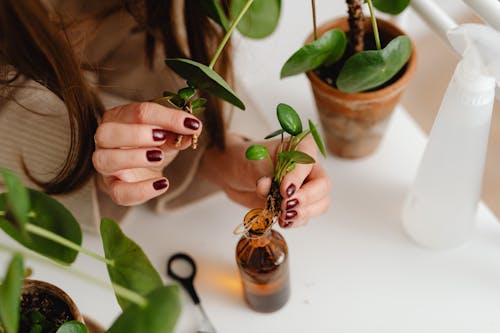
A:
[37,47]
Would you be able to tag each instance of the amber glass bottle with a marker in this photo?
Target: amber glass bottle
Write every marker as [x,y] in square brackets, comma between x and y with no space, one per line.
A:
[262,257]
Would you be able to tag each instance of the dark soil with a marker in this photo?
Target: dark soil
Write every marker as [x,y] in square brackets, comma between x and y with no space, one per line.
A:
[44,309]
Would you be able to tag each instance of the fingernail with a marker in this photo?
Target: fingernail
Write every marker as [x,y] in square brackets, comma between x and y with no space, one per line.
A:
[290,214]
[160,184]
[154,155]
[291,190]
[159,135]
[287,224]
[192,123]
[291,204]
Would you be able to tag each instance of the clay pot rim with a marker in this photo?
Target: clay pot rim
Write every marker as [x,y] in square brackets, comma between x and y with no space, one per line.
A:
[388,90]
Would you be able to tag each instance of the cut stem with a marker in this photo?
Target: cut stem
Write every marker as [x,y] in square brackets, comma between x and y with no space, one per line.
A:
[34,229]
[228,34]
[313,5]
[374,24]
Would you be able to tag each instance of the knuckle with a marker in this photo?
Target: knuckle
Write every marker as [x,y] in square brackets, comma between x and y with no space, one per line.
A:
[98,160]
[143,112]
[100,134]
[116,194]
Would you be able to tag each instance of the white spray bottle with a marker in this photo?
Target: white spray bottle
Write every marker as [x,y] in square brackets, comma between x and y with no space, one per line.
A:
[441,206]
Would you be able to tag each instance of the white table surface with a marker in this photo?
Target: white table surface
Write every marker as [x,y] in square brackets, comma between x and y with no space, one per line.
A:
[352,270]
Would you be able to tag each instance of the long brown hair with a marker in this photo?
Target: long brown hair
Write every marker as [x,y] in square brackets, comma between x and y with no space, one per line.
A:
[34,43]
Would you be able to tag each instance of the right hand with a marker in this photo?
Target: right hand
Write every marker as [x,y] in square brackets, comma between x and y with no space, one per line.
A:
[134,142]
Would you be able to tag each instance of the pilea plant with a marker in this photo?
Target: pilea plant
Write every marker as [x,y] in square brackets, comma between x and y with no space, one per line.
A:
[43,225]
[287,156]
[362,70]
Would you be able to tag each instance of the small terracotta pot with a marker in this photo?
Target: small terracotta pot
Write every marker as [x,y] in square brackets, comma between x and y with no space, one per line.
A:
[354,123]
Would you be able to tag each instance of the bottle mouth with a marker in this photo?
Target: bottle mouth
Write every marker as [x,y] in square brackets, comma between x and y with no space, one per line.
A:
[256,223]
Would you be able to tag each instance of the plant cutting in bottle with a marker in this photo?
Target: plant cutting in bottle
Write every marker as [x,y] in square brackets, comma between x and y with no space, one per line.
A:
[288,156]
[43,225]
[353,69]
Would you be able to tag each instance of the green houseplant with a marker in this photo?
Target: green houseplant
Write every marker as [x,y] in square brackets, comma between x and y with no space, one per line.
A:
[358,69]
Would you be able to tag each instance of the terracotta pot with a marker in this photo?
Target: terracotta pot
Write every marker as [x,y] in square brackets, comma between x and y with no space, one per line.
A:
[354,123]
[32,287]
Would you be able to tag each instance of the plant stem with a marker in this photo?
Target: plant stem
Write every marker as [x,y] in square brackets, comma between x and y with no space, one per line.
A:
[313,5]
[374,24]
[34,229]
[228,34]
[121,291]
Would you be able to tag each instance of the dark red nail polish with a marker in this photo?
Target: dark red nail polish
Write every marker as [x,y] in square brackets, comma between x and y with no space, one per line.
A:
[159,135]
[290,214]
[287,224]
[160,184]
[291,203]
[291,190]
[154,155]
[192,123]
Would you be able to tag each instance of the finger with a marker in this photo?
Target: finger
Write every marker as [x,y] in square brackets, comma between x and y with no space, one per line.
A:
[316,187]
[263,187]
[128,194]
[176,121]
[118,135]
[109,161]
[247,199]
[300,215]
[132,176]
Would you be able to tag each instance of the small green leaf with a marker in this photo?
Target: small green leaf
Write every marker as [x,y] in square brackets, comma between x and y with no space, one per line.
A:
[370,69]
[260,20]
[131,268]
[256,153]
[18,201]
[198,102]
[213,9]
[275,133]
[297,157]
[72,327]
[199,110]
[289,119]
[186,93]
[10,294]
[327,49]
[317,138]
[204,78]
[393,7]
[159,315]
[49,214]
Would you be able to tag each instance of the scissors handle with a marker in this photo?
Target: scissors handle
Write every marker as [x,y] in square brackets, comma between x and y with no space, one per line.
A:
[186,282]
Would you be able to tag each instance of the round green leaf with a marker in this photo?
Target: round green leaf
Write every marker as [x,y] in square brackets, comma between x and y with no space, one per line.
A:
[72,327]
[131,268]
[370,69]
[289,119]
[198,102]
[10,294]
[317,138]
[158,316]
[48,214]
[327,49]
[393,7]
[296,156]
[186,93]
[18,202]
[256,153]
[213,9]
[204,78]
[260,20]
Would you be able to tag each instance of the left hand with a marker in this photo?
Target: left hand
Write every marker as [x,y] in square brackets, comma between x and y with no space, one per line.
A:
[305,190]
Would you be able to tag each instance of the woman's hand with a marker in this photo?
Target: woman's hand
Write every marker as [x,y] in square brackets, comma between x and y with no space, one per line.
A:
[134,143]
[305,190]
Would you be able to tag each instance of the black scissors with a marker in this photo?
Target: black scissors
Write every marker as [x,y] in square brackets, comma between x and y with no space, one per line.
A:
[186,278]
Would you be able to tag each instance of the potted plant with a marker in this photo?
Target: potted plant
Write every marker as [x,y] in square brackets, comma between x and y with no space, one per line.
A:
[358,69]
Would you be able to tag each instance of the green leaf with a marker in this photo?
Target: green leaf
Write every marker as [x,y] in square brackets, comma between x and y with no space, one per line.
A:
[370,69]
[204,78]
[275,133]
[49,214]
[213,9]
[186,93]
[289,119]
[131,268]
[257,152]
[393,7]
[72,327]
[18,201]
[317,138]
[198,102]
[159,315]
[10,294]
[199,110]
[327,49]
[260,20]
[297,157]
